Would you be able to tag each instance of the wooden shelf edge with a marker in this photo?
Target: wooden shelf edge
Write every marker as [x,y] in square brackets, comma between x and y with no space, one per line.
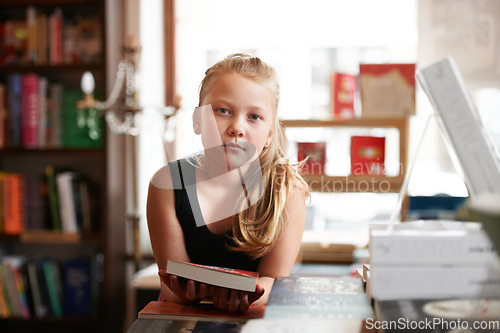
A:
[44,236]
[358,122]
[354,184]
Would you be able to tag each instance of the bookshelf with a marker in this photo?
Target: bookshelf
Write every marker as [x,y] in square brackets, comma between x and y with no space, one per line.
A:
[350,182]
[91,160]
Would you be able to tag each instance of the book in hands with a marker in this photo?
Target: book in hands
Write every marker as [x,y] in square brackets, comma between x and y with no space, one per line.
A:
[203,311]
[217,276]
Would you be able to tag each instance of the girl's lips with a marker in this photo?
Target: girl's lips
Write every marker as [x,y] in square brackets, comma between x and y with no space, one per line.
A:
[234,146]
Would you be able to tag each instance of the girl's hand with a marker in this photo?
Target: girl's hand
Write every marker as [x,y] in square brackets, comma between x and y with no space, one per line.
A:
[232,300]
[186,290]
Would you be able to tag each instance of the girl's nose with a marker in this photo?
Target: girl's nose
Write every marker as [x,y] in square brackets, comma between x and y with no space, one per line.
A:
[236,129]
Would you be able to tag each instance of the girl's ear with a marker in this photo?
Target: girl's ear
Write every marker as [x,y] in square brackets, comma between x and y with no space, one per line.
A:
[196,121]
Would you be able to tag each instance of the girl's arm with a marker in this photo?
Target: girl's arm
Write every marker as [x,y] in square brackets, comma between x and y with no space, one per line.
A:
[167,239]
[280,260]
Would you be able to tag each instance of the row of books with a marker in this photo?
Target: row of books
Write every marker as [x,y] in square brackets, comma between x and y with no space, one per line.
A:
[386,90]
[367,156]
[38,114]
[54,38]
[39,288]
[60,200]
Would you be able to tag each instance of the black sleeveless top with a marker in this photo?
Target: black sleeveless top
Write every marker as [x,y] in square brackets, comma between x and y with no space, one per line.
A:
[203,247]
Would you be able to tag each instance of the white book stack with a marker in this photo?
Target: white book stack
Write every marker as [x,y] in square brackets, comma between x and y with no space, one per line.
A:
[432,260]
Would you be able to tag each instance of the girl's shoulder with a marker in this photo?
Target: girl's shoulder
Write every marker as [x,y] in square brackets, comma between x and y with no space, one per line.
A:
[175,174]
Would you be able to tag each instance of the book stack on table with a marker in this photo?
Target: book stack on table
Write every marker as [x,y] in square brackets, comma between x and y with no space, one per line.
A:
[432,259]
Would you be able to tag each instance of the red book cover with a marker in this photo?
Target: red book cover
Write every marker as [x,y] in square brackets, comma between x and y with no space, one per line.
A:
[343,91]
[203,311]
[29,110]
[4,117]
[55,33]
[13,204]
[387,89]
[218,276]
[367,155]
[315,152]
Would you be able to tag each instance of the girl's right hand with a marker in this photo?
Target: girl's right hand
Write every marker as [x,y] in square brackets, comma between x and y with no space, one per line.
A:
[186,290]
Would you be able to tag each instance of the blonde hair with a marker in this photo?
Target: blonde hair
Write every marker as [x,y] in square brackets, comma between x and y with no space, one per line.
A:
[256,229]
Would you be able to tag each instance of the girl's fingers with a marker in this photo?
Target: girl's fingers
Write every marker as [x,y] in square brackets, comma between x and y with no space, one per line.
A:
[259,291]
[222,300]
[244,304]
[203,291]
[191,290]
[233,301]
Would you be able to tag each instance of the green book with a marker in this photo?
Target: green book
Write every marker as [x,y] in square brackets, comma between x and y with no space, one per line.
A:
[81,128]
[53,200]
[53,280]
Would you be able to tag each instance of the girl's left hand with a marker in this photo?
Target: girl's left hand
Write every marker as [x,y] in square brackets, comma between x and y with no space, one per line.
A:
[232,300]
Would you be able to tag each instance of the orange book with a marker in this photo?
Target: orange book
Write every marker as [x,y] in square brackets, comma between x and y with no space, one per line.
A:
[203,311]
[13,203]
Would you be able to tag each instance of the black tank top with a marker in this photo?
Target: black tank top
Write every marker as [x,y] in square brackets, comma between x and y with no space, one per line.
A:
[203,247]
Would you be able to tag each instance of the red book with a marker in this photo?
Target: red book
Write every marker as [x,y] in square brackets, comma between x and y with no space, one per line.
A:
[55,33]
[316,154]
[387,90]
[367,155]
[29,110]
[217,276]
[13,203]
[203,311]
[343,91]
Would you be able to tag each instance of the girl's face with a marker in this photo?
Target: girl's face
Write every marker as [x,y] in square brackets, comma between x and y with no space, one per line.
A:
[240,120]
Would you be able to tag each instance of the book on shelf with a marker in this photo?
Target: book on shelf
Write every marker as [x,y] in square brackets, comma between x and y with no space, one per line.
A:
[343,93]
[200,312]
[14,106]
[30,119]
[43,86]
[77,287]
[4,117]
[51,271]
[15,41]
[13,214]
[387,90]
[315,152]
[35,296]
[310,297]
[217,276]
[367,155]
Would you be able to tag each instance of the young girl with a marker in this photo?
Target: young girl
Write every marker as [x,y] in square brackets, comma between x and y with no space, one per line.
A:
[240,204]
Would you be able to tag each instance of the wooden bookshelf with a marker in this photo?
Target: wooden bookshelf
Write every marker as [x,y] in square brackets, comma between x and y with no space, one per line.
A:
[93,163]
[355,183]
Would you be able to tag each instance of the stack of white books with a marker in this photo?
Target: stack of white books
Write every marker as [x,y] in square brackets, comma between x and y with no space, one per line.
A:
[432,260]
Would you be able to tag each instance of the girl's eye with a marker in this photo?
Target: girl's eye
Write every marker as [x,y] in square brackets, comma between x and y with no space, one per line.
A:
[222,111]
[255,117]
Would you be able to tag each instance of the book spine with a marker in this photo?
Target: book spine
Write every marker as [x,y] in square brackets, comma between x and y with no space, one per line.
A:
[51,279]
[64,182]
[55,28]
[435,282]
[77,287]
[39,307]
[42,112]
[31,25]
[54,118]
[29,110]
[41,39]
[53,198]
[13,204]
[21,291]
[15,302]
[4,303]
[14,103]
[3,116]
